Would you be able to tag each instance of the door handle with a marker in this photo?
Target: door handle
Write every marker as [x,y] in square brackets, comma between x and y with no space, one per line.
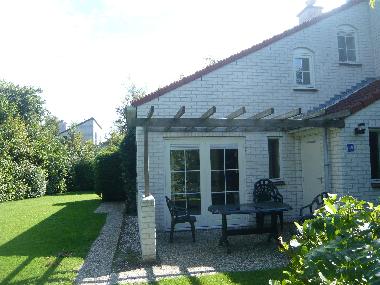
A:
[320,179]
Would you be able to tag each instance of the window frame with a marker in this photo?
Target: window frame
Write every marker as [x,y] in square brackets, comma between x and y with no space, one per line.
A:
[303,53]
[345,30]
[278,162]
[377,131]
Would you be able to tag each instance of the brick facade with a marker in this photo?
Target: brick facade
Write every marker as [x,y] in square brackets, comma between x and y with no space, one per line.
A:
[264,79]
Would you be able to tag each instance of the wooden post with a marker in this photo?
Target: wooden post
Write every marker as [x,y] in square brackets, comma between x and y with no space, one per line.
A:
[146,162]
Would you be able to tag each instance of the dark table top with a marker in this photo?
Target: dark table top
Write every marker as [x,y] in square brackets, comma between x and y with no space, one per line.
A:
[250,208]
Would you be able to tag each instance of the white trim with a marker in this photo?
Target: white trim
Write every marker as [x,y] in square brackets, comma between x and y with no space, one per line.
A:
[303,53]
[204,145]
[346,29]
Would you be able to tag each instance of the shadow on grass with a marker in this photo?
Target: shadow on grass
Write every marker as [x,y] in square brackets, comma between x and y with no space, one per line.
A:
[66,233]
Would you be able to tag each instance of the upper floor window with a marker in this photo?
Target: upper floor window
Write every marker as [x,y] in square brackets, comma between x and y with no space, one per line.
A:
[347,44]
[303,68]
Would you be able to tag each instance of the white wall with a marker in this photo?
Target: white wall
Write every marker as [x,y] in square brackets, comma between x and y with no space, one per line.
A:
[258,81]
[375,31]
[352,170]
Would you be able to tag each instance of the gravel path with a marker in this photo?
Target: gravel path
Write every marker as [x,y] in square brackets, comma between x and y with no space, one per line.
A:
[98,264]
[183,257]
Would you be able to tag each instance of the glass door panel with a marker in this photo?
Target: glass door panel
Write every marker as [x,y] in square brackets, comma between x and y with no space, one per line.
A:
[185,179]
[224,176]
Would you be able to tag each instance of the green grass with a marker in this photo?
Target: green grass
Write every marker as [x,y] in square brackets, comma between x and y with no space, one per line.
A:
[260,277]
[45,240]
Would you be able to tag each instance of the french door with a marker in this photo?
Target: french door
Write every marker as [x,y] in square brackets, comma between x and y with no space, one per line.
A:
[205,171]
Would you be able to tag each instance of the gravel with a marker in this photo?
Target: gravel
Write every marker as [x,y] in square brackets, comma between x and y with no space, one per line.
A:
[98,264]
[183,257]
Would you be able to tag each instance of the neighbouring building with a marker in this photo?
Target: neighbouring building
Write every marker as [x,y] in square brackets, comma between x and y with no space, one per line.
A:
[300,108]
[90,130]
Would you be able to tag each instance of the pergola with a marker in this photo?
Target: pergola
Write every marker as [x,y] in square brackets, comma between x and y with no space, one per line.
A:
[258,122]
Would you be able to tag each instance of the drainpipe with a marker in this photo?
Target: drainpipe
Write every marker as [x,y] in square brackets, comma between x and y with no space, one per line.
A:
[326,161]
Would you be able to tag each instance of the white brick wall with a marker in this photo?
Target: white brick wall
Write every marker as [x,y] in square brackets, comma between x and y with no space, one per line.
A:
[147,227]
[261,80]
[352,170]
[375,32]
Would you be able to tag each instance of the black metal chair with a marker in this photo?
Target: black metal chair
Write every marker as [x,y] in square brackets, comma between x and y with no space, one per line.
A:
[310,208]
[264,191]
[180,215]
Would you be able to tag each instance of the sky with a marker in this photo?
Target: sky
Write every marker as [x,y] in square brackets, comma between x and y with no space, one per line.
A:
[84,54]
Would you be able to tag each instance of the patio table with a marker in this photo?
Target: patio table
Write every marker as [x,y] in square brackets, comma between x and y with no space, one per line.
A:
[269,207]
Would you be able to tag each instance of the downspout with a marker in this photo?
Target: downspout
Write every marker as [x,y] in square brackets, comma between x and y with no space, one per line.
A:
[326,161]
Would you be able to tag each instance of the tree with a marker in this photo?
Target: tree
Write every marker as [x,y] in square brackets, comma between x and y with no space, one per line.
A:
[133,93]
[372,3]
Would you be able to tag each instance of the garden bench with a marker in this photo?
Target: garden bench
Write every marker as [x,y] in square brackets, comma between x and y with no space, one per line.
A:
[310,208]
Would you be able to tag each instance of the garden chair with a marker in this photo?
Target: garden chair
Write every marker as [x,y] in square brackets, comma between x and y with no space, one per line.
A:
[306,212]
[179,216]
[264,191]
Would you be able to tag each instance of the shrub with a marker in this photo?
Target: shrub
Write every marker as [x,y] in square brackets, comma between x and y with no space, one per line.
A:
[82,176]
[108,182]
[340,246]
[20,181]
[128,169]
[34,178]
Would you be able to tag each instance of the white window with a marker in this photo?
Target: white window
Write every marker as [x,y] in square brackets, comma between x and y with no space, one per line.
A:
[224,175]
[347,44]
[185,179]
[303,68]
[374,146]
[274,158]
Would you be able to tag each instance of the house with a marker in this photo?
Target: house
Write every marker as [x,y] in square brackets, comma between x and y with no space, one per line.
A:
[300,108]
[90,130]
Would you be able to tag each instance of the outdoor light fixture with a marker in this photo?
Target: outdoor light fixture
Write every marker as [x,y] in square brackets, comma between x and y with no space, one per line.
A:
[360,129]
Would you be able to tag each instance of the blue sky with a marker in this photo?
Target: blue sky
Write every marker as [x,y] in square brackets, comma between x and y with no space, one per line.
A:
[84,53]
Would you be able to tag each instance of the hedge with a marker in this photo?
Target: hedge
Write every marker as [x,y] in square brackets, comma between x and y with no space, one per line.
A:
[108,180]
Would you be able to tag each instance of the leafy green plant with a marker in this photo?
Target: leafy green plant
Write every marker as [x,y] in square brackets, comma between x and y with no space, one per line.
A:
[341,245]
[108,181]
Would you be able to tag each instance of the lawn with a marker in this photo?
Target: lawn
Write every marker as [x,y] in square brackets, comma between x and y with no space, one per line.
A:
[260,277]
[45,240]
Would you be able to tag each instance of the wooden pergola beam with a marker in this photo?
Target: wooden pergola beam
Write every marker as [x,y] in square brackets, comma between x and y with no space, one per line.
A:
[179,114]
[258,124]
[208,113]
[263,114]
[230,117]
[289,114]
[236,113]
[150,112]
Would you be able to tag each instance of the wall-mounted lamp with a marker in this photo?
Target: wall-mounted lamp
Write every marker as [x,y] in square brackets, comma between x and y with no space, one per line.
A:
[360,129]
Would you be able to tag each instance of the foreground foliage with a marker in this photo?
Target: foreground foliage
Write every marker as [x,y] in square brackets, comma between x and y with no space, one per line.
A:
[45,240]
[340,246]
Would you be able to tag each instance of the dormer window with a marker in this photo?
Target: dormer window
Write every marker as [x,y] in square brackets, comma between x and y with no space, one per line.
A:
[303,67]
[347,44]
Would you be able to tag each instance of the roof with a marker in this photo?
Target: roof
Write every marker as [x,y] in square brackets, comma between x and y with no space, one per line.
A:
[81,123]
[358,100]
[243,53]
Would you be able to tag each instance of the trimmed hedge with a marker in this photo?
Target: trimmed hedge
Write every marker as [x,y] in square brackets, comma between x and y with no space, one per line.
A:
[108,180]
[128,167]
[82,176]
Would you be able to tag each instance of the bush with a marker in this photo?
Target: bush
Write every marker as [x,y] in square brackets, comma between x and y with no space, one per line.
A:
[128,168]
[340,246]
[82,176]
[20,181]
[34,178]
[108,181]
